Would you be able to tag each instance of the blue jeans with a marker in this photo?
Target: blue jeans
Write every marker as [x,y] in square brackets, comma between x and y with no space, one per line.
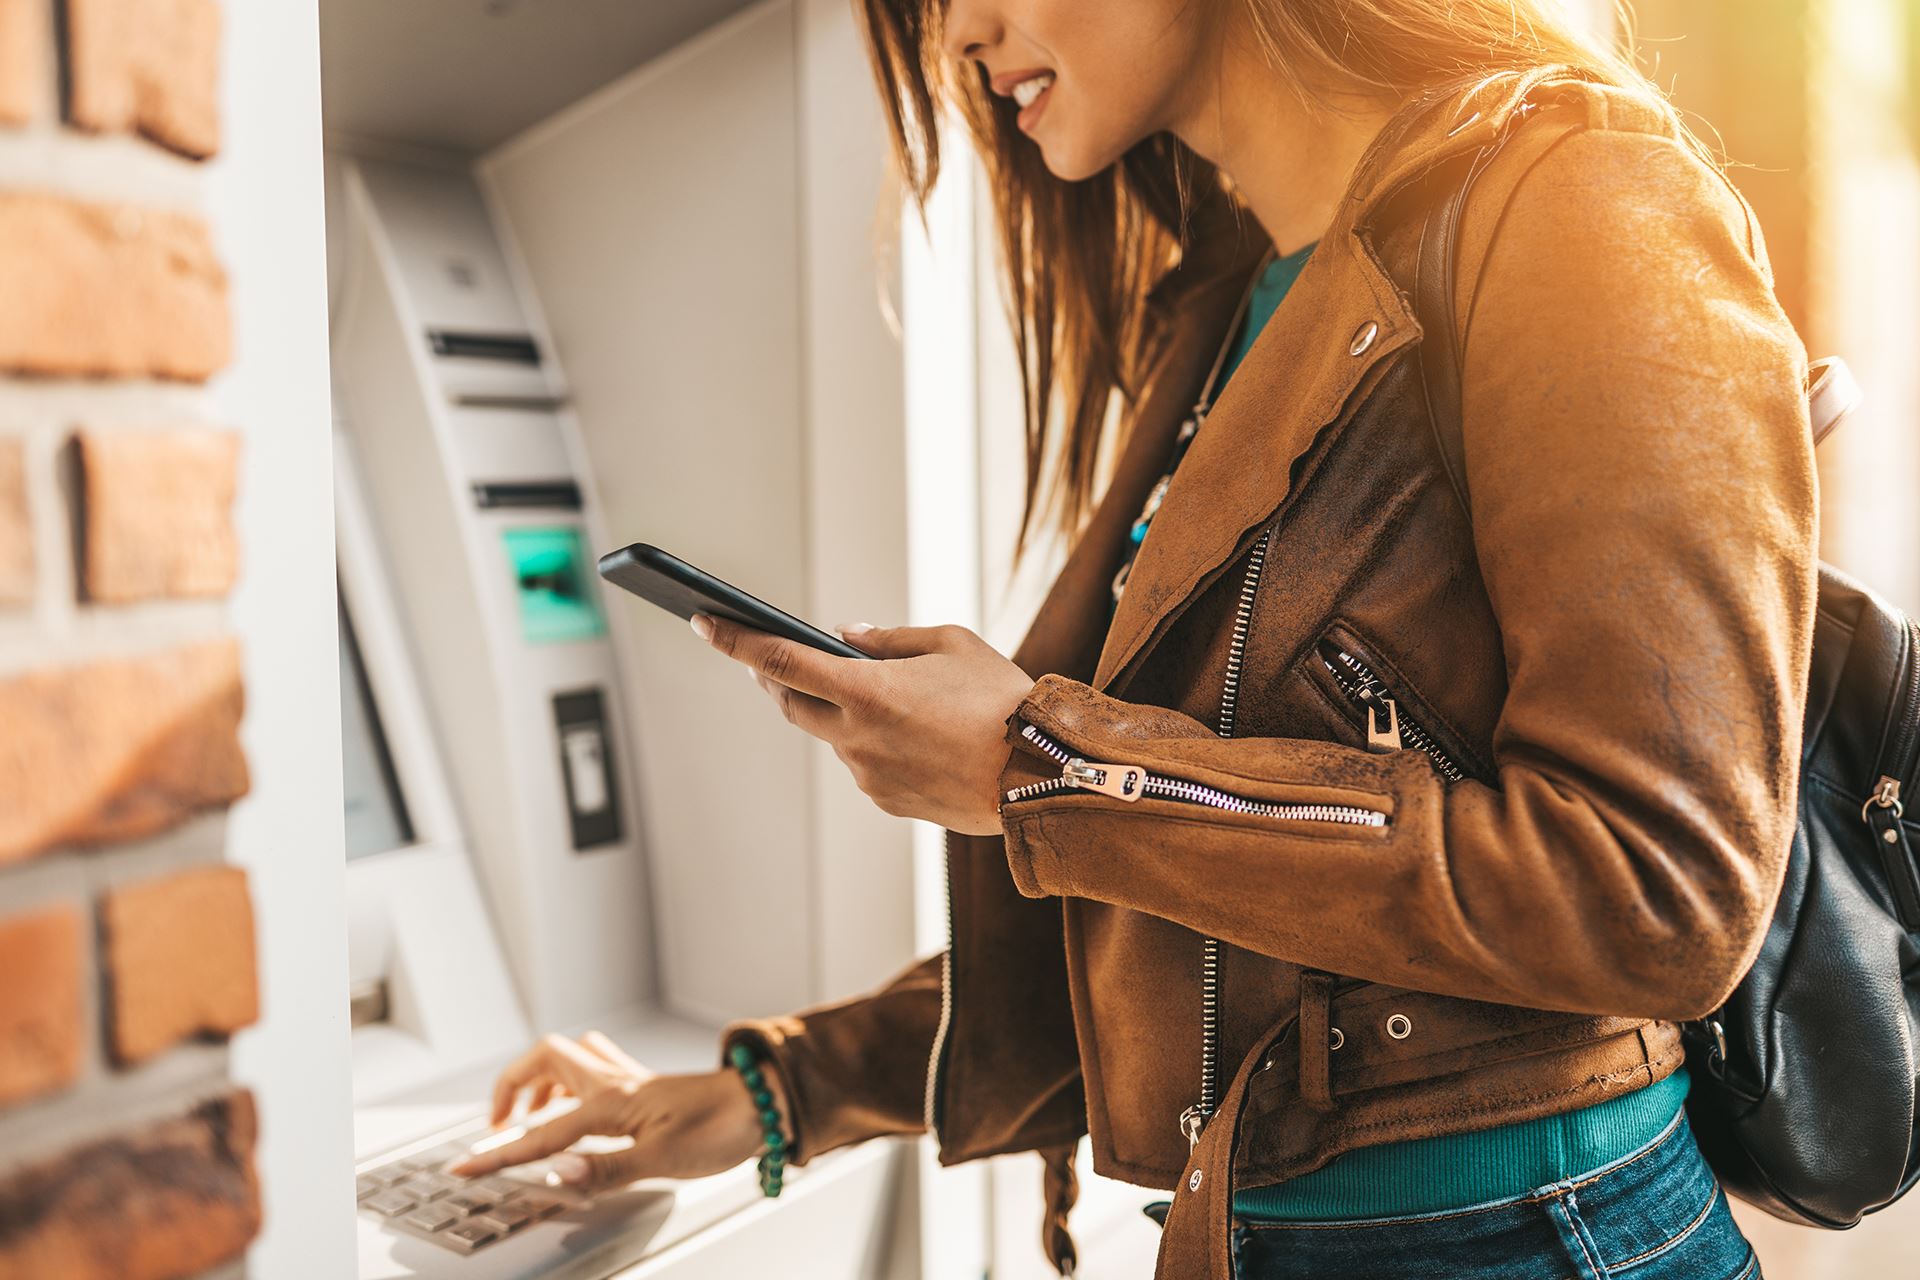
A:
[1654,1214]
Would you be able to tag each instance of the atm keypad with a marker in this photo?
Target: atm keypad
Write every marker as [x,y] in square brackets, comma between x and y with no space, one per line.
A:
[428,1186]
[467,1203]
[412,1195]
[432,1218]
[506,1217]
[468,1236]
[539,1206]
[391,1204]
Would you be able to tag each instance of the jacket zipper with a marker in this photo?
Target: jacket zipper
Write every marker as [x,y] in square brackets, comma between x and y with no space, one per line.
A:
[1130,782]
[1370,694]
[1195,1117]
[931,1104]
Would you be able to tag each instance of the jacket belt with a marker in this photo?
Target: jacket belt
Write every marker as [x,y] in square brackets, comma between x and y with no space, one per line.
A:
[1316,1030]
[1381,1035]
[1385,1036]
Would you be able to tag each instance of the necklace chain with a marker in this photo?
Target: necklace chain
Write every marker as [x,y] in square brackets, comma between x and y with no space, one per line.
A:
[1205,403]
[1191,424]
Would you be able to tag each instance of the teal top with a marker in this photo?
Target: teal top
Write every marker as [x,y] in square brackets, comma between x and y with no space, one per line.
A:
[1453,1170]
[1272,286]
[1425,1175]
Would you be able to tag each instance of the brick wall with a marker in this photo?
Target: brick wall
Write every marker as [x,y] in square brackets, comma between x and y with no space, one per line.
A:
[126,941]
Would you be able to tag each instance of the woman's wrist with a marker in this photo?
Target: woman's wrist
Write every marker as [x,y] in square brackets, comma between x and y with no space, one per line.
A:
[776,1085]
[768,1097]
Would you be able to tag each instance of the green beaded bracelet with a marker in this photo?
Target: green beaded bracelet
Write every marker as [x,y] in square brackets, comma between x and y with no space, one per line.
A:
[773,1161]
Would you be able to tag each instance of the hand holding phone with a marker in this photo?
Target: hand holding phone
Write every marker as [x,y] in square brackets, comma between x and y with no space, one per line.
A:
[681,589]
[947,698]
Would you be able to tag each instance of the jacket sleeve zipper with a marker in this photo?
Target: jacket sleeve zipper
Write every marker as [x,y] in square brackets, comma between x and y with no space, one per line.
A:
[1370,694]
[1131,782]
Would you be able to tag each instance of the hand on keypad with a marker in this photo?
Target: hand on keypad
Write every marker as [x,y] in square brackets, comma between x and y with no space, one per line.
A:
[415,1194]
[679,1126]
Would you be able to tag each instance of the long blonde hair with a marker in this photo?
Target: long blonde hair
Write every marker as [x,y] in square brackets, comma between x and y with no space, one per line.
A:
[1080,258]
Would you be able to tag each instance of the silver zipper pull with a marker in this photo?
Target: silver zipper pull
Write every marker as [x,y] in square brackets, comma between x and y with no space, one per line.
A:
[1387,739]
[1192,1121]
[1128,781]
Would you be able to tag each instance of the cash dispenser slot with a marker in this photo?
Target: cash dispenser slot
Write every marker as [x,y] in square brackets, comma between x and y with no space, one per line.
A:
[555,495]
[511,348]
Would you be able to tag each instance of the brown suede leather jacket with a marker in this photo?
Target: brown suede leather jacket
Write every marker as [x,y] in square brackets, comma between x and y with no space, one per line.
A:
[1476,811]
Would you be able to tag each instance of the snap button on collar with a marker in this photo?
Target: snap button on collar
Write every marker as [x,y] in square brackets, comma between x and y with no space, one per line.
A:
[1363,337]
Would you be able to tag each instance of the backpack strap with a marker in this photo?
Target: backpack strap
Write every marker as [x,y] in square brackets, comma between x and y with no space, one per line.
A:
[1832,391]
[1434,286]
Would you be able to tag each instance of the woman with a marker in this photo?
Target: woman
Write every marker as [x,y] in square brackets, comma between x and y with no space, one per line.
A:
[1334,858]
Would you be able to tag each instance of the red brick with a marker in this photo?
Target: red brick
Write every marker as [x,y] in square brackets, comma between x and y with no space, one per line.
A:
[178,954]
[117,750]
[23,59]
[147,66]
[169,1200]
[108,289]
[16,528]
[159,514]
[41,1036]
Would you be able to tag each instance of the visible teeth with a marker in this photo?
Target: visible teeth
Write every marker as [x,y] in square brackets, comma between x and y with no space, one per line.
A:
[1027,90]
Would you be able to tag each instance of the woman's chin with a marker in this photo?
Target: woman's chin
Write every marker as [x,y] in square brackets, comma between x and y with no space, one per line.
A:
[1069,164]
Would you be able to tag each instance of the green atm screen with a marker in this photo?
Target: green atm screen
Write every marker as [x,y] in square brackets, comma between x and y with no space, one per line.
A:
[554,586]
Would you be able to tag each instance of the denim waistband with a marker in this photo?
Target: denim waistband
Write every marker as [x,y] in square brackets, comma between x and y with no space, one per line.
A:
[1460,1169]
[1657,1204]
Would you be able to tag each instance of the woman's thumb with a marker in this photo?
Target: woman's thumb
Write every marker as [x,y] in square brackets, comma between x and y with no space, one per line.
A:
[601,1171]
[865,637]
[894,642]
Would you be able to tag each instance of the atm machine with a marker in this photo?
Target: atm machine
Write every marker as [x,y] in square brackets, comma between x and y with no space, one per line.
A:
[521,856]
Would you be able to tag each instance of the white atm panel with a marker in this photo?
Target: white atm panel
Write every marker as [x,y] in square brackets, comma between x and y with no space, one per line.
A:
[444,248]
[483,522]
[461,302]
[507,444]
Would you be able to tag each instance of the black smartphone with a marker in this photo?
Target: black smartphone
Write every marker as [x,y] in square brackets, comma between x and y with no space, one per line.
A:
[679,588]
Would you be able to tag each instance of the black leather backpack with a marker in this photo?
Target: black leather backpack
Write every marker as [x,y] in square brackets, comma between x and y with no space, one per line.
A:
[1803,1084]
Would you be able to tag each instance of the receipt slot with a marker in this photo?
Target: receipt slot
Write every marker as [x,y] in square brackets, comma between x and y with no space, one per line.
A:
[586,768]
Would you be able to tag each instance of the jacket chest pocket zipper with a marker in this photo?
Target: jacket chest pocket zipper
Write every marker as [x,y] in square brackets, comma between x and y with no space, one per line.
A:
[1389,728]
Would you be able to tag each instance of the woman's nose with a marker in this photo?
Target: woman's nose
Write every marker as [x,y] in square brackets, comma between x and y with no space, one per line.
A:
[969,28]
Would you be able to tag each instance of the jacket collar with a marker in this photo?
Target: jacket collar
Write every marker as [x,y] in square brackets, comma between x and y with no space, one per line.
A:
[1342,320]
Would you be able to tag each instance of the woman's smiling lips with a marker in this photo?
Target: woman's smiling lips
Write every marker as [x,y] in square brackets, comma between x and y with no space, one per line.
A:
[1008,85]
[1030,113]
